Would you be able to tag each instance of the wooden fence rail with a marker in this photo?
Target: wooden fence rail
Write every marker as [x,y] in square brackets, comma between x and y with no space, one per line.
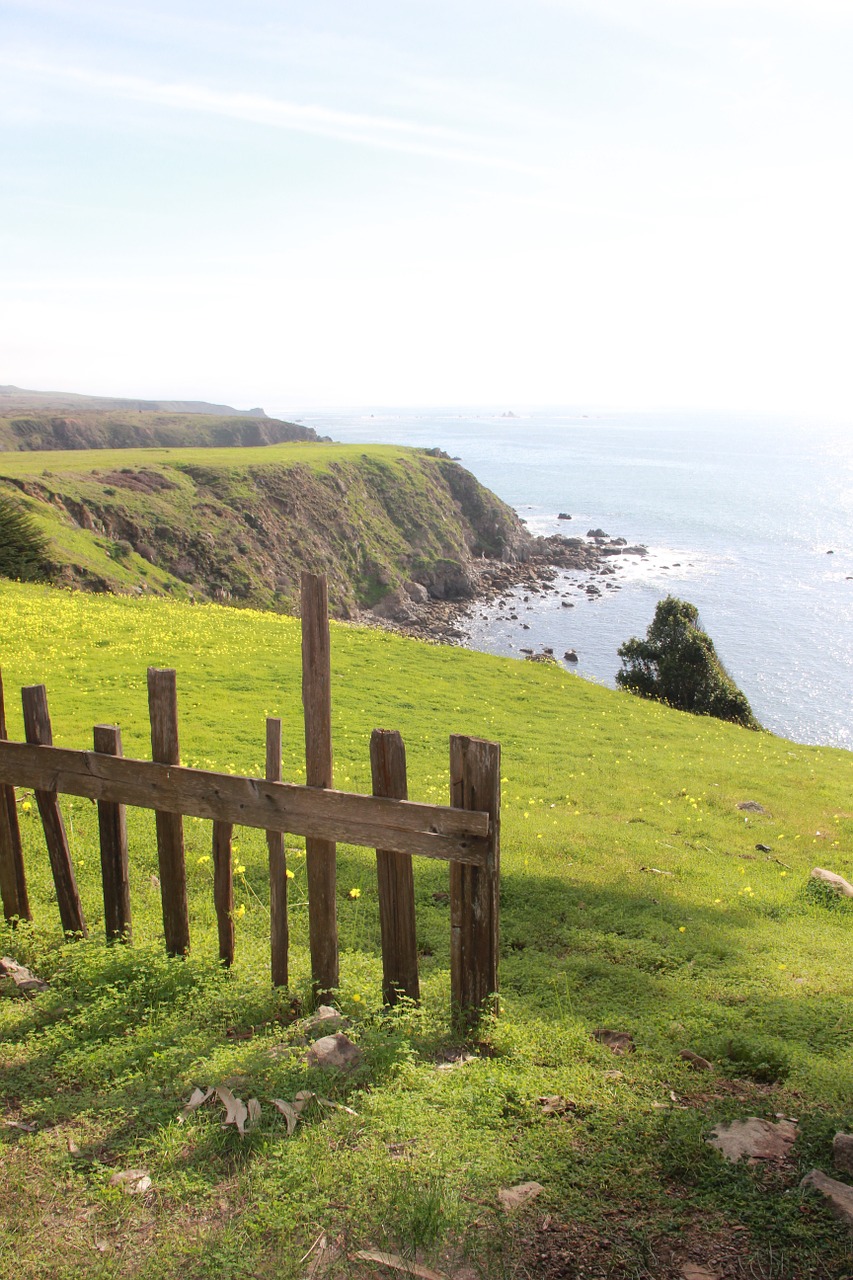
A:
[466,833]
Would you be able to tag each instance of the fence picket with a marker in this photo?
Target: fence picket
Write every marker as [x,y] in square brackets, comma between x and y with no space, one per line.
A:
[475,783]
[13,882]
[395,877]
[279,929]
[38,732]
[320,855]
[112,829]
[223,889]
[163,712]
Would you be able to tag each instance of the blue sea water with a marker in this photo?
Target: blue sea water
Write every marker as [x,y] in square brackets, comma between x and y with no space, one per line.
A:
[740,516]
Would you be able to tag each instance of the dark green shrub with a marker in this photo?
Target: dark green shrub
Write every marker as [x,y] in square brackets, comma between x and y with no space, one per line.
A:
[677,664]
[23,549]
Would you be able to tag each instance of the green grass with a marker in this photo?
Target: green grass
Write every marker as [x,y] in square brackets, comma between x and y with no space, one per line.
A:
[728,954]
[80,461]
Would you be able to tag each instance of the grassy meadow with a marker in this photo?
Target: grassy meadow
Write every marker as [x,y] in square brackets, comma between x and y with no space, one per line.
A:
[633,898]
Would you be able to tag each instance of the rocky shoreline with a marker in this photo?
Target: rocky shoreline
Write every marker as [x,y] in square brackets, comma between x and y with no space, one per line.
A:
[440,615]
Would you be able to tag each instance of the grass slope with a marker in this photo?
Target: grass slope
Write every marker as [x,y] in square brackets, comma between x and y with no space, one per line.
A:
[722,950]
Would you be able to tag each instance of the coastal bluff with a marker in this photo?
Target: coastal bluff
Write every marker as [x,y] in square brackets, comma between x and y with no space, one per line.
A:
[404,536]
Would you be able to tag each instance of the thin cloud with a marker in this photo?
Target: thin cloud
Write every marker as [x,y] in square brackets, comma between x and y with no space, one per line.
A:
[381,132]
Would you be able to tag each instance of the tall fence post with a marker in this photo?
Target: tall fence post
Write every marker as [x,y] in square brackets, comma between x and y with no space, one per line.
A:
[13,883]
[475,783]
[319,854]
[395,877]
[279,931]
[163,712]
[38,731]
[112,829]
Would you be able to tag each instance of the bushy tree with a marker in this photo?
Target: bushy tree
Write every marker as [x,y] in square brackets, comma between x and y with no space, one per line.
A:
[23,549]
[677,664]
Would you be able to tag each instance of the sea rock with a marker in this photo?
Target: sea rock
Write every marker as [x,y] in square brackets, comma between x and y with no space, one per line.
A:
[838,883]
[396,607]
[754,1138]
[416,592]
[596,533]
[334,1053]
[838,1194]
[842,1152]
[564,516]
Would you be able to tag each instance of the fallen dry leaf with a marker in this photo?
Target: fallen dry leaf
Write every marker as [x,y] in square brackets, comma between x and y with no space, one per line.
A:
[288,1112]
[22,977]
[236,1111]
[515,1197]
[397,1263]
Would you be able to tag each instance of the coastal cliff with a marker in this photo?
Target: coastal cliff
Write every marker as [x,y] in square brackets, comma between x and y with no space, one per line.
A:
[403,535]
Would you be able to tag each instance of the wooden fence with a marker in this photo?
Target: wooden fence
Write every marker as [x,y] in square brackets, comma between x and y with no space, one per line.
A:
[465,833]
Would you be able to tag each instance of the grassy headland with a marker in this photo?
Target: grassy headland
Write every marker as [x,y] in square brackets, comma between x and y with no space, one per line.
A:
[239,525]
[634,897]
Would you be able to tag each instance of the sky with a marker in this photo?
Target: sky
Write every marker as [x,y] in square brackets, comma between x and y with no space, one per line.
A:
[621,204]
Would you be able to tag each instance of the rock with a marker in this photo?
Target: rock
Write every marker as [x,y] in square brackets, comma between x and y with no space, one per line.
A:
[596,533]
[567,604]
[838,883]
[754,1138]
[324,1022]
[334,1053]
[397,606]
[695,1060]
[570,655]
[751,806]
[842,1152]
[416,592]
[615,1041]
[564,516]
[838,1194]
[133,1182]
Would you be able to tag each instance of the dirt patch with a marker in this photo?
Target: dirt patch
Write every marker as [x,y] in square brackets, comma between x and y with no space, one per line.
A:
[139,481]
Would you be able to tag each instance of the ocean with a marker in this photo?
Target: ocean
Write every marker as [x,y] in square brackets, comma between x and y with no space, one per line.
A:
[750,519]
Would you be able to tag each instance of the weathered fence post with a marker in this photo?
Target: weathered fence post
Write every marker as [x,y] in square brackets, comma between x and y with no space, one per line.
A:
[223,889]
[13,883]
[112,828]
[279,933]
[395,877]
[38,731]
[163,712]
[320,854]
[475,783]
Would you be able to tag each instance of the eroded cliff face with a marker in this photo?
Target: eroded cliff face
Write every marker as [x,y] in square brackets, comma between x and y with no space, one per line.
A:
[374,524]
